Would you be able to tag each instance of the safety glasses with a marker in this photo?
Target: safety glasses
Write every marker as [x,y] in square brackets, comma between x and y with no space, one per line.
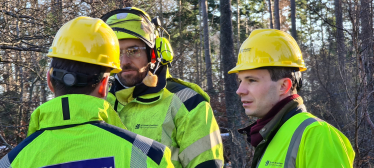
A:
[132,52]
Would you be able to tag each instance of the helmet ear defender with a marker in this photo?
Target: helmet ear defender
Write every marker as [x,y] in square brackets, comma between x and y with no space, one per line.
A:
[164,50]
[73,79]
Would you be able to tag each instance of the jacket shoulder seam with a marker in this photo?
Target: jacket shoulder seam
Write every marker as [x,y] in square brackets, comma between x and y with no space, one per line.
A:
[189,97]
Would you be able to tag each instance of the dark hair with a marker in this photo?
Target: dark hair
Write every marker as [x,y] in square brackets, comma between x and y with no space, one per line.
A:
[76,67]
[293,73]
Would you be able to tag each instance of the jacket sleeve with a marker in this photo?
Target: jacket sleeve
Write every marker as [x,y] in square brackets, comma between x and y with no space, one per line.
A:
[165,161]
[199,138]
[324,146]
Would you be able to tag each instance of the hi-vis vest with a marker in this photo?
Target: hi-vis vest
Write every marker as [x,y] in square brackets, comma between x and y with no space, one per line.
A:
[305,141]
[72,131]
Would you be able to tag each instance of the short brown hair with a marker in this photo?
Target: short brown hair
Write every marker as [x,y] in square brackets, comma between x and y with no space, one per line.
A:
[294,74]
[90,70]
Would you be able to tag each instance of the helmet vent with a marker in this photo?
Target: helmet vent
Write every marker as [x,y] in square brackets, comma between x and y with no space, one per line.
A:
[103,58]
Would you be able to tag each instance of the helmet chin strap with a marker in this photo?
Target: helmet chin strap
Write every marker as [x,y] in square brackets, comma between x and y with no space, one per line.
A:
[298,79]
[154,67]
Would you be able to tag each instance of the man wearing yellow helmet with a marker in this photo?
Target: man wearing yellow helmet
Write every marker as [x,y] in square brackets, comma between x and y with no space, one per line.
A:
[72,130]
[151,103]
[285,135]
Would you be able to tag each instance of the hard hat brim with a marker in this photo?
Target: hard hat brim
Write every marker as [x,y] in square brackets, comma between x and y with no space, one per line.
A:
[116,69]
[249,66]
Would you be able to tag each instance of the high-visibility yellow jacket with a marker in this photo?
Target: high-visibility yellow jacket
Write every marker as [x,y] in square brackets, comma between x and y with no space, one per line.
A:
[175,113]
[297,139]
[73,131]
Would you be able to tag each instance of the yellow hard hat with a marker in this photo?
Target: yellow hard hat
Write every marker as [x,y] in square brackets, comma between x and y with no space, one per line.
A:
[269,47]
[88,40]
[131,23]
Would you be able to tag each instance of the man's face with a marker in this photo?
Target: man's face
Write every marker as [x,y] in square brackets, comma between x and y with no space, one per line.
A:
[134,68]
[258,92]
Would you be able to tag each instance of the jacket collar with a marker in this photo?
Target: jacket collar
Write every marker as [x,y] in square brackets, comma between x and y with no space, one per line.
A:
[141,92]
[276,121]
[72,109]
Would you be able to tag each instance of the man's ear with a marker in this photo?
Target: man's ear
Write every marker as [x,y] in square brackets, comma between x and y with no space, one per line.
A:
[285,86]
[103,88]
[49,80]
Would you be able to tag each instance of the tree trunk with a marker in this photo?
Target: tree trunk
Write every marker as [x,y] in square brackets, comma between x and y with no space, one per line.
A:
[246,25]
[20,78]
[57,12]
[161,14]
[366,54]
[181,60]
[276,14]
[271,15]
[201,45]
[238,153]
[208,64]
[339,33]
[197,63]
[238,26]
[293,19]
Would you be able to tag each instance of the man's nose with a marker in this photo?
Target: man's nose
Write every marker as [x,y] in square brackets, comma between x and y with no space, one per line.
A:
[125,59]
[242,90]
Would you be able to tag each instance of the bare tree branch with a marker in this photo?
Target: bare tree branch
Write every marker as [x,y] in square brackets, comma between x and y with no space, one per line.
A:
[6,144]
[43,50]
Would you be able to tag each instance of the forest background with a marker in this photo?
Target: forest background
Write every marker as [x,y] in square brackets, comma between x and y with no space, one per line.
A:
[335,36]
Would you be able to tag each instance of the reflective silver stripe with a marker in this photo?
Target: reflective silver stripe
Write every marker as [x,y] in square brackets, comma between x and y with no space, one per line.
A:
[185,94]
[293,148]
[143,143]
[4,162]
[168,126]
[174,153]
[139,152]
[258,163]
[199,146]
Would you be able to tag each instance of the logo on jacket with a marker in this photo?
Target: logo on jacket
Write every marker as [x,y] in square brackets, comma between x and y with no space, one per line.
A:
[273,164]
[144,126]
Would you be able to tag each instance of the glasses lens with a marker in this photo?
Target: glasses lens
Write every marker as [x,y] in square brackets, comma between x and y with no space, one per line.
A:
[132,52]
